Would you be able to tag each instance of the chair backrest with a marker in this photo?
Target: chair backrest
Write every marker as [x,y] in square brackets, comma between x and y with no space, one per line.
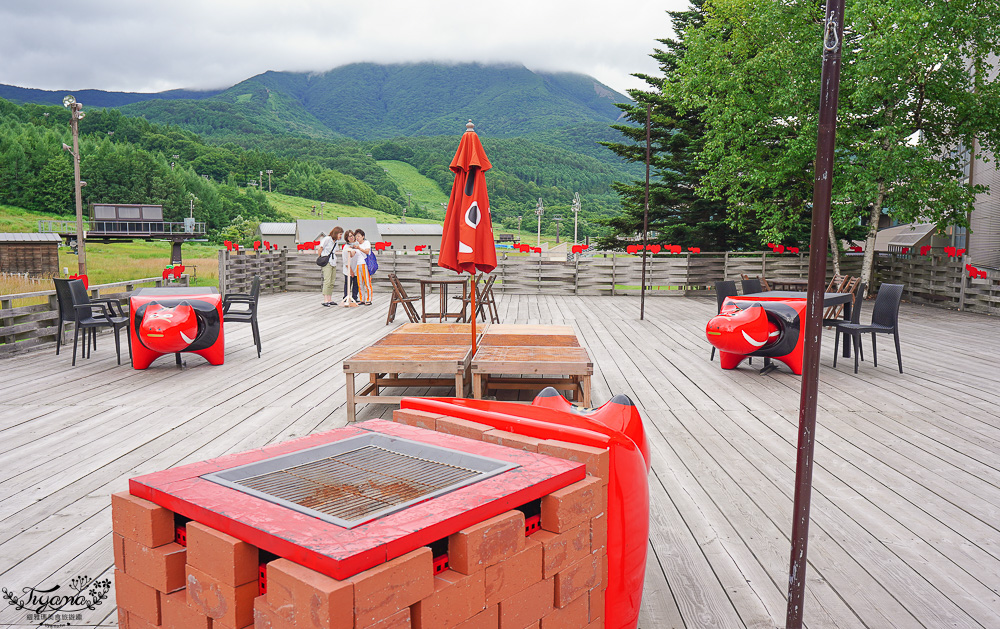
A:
[751,285]
[65,296]
[850,283]
[835,283]
[255,288]
[859,298]
[723,290]
[886,309]
[80,298]
[764,284]
[397,286]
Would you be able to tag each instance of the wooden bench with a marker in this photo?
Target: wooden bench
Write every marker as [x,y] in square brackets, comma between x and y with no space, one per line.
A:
[532,357]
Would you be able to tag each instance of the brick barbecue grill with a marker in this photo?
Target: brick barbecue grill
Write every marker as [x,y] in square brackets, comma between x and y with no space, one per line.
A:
[378,524]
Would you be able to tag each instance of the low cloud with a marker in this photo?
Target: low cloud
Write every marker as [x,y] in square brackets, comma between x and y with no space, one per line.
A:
[124,45]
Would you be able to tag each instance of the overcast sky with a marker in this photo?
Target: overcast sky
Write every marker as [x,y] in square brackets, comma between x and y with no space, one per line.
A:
[150,45]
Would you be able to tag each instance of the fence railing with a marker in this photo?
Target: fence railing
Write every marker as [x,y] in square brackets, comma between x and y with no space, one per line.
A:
[28,320]
[934,279]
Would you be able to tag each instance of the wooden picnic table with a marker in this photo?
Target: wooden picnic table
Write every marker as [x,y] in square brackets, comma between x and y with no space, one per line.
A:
[531,357]
[431,354]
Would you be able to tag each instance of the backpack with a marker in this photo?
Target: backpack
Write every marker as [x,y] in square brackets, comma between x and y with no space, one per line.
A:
[372,263]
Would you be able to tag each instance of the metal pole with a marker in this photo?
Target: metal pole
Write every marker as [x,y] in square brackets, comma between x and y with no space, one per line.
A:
[538,212]
[576,216]
[81,250]
[645,221]
[822,191]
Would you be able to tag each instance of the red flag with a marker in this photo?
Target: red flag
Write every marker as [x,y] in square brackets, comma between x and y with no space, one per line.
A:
[467,242]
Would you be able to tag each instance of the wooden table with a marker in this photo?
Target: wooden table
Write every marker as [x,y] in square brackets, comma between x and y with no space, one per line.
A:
[438,353]
[442,285]
[550,355]
[794,284]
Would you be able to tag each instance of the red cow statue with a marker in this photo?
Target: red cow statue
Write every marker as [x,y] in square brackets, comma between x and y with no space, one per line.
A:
[163,325]
[759,327]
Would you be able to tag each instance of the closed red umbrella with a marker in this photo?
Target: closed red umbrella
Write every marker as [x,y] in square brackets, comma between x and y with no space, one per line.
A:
[467,241]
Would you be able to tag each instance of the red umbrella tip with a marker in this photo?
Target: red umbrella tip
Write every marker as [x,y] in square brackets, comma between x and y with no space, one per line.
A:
[470,127]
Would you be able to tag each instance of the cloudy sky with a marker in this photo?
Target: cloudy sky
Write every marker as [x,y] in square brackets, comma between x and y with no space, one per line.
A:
[151,45]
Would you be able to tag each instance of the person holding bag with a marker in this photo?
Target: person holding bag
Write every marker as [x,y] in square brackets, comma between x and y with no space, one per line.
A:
[362,249]
[350,284]
[327,260]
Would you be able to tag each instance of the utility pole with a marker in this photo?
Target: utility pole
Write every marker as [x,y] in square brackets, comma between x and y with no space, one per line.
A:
[558,221]
[408,195]
[269,180]
[76,113]
[576,216]
[260,180]
[538,212]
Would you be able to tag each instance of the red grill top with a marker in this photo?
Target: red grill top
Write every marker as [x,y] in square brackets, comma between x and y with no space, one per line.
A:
[337,551]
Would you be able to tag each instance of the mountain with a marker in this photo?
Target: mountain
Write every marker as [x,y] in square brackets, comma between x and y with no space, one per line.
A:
[96,98]
[369,101]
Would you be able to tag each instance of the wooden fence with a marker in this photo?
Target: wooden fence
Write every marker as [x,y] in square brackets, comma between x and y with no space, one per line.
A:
[934,279]
[29,320]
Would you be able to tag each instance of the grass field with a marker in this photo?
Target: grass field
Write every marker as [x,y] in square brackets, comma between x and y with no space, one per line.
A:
[118,262]
[18,220]
[299,207]
[426,193]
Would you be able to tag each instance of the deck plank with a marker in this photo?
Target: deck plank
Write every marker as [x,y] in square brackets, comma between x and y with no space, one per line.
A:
[906,500]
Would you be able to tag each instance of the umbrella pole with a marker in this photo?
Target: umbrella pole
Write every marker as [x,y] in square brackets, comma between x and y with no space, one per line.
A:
[822,193]
[645,222]
[473,282]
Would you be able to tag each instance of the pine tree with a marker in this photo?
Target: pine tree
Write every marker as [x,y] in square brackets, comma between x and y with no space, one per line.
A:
[677,213]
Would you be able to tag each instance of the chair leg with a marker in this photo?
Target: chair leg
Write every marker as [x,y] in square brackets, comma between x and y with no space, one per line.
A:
[874,352]
[836,345]
[128,337]
[76,337]
[118,344]
[899,355]
[713,354]
[59,335]
[256,335]
[856,340]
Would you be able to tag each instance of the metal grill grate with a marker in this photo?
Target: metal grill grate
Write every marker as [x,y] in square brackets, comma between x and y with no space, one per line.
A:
[354,481]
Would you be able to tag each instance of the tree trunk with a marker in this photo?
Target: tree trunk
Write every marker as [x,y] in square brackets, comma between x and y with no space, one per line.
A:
[866,266]
[835,248]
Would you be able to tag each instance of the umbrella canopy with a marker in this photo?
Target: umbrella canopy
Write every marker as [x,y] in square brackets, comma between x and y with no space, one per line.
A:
[467,242]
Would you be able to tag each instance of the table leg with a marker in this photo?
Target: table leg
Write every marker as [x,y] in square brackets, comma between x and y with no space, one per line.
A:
[586,391]
[423,303]
[459,385]
[350,398]
[443,306]
[477,386]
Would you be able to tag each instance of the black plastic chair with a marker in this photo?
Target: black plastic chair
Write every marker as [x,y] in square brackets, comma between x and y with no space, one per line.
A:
[247,314]
[751,286]
[97,313]
[722,291]
[885,320]
[67,313]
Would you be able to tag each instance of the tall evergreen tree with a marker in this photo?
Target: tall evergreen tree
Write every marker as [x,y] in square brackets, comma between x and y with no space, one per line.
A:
[677,213]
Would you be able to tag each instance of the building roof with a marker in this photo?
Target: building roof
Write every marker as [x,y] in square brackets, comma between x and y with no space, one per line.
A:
[23,237]
[899,236]
[308,229]
[278,229]
[411,229]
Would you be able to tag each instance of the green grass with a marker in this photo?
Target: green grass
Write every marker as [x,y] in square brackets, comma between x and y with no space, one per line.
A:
[121,261]
[426,193]
[19,221]
[299,207]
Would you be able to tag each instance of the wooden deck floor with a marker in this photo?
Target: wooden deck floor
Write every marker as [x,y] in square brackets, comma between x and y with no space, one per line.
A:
[906,508]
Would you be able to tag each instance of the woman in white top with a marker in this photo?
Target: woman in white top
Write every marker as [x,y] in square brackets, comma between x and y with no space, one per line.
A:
[328,247]
[350,282]
[362,249]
